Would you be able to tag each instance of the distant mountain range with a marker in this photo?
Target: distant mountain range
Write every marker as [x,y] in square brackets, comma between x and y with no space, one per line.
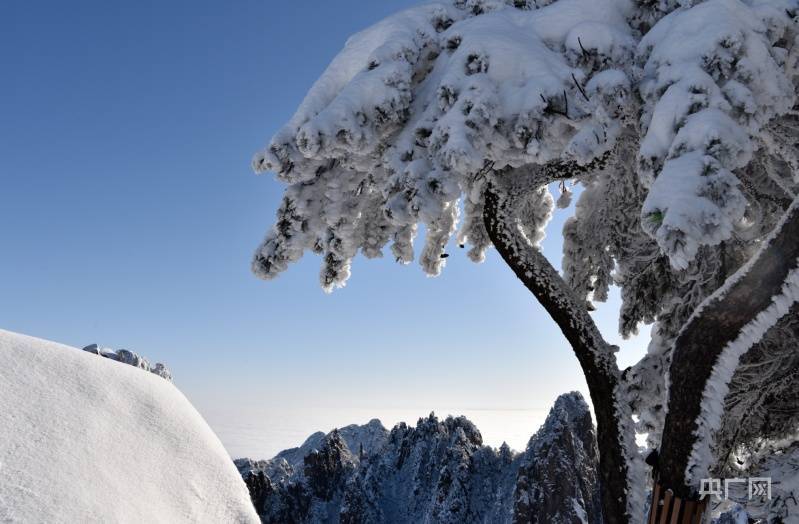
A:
[438,471]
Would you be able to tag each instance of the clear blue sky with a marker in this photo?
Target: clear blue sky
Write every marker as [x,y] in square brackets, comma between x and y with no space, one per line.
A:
[129,215]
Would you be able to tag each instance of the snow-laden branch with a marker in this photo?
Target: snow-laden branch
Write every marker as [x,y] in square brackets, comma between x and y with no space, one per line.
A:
[405,118]
[713,77]
[763,396]
[397,128]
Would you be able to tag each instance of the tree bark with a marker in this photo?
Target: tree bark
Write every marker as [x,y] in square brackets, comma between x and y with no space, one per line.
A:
[697,350]
[719,320]
[502,203]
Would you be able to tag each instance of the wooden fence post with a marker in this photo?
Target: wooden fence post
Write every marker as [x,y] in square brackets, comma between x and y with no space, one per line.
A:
[669,509]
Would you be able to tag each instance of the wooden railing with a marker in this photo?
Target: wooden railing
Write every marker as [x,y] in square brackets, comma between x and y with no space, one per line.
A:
[668,509]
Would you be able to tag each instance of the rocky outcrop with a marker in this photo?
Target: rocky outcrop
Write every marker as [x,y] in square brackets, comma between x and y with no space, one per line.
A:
[557,481]
[437,471]
[130,358]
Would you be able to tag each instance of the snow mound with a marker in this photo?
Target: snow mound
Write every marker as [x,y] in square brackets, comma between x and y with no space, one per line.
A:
[83,439]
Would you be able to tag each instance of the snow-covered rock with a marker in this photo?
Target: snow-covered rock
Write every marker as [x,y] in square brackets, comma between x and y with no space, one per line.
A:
[362,441]
[558,479]
[438,471]
[368,439]
[129,357]
[83,439]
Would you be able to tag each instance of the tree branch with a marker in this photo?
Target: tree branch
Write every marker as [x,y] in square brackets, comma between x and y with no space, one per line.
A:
[502,203]
[764,382]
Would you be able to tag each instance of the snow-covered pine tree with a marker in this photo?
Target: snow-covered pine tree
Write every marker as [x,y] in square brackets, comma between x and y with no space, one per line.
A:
[678,120]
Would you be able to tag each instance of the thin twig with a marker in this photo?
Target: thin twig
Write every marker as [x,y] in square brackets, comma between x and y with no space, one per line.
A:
[585,53]
[552,110]
[580,88]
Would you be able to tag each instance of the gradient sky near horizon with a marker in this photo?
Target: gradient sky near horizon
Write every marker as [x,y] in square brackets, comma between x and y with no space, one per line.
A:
[130,212]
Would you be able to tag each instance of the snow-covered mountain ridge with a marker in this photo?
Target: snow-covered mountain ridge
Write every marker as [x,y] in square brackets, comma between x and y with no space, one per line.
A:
[438,471]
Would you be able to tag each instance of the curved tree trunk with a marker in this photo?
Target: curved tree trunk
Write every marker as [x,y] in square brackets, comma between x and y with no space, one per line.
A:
[504,196]
[707,340]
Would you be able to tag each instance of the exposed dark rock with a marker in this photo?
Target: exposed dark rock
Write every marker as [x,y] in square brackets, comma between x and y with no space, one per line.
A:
[92,348]
[557,481]
[328,469]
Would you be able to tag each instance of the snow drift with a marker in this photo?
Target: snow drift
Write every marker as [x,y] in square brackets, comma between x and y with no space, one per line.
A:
[85,439]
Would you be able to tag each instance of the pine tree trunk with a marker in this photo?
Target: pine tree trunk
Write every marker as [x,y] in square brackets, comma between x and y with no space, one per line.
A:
[594,354]
[697,351]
